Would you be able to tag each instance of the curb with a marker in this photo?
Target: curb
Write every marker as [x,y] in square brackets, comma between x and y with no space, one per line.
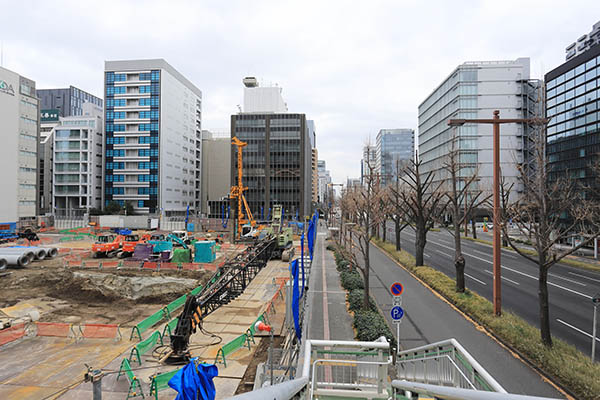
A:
[515,353]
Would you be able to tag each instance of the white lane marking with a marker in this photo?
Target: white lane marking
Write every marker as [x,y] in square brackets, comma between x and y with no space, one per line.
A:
[503,277]
[427,255]
[566,279]
[584,276]
[481,252]
[549,283]
[576,328]
[475,279]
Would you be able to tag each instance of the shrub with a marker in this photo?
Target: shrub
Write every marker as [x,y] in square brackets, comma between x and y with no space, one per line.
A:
[330,247]
[370,325]
[351,280]
[356,299]
[343,266]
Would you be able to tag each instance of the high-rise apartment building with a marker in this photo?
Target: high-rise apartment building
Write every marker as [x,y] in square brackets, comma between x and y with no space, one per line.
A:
[153,144]
[48,120]
[77,162]
[277,161]
[67,101]
[312,135]
[20,128]
[475,90]
[393,147]
[573,105]
[324,190]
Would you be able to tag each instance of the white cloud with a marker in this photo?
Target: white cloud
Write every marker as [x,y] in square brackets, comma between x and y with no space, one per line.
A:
[353,67]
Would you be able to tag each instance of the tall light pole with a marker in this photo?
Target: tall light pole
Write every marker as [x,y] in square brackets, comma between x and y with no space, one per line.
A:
[331,185]
[496,121]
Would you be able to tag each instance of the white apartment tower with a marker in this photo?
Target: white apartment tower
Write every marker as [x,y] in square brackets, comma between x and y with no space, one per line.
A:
[77,162]
[475,90]
[20,130]
[153,143]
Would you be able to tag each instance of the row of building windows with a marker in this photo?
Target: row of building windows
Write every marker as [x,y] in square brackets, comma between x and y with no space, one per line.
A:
[588,66]
[115,115]
[148,127]
[115,153]
[116,102]
[115,140]
[110,127]
[115,178]
[150,76]
[115,190]
[112,90]
[147,152]
[579,126]
[146,190]
[577,94]
[149,114]
[148,139]
[150,101]
[148,178]
[148,165]
[112,77]
[153,89]
[115,165]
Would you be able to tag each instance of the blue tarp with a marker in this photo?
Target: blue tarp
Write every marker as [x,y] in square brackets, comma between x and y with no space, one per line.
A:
[296,299]
[195,381]
[302,261]
[311,237]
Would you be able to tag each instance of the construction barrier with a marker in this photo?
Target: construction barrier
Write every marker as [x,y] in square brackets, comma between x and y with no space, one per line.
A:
[174,305]
[112,264]
[160,382]
[134,383]
[150,265]
[241,341]
[194,292]
[149,322]
[138,350]
[100,331]
[56,329]
[169,328]
[250,332]
[11,334]
[169,266]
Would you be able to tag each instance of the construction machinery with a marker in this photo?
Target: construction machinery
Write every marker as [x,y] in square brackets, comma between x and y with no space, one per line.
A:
[228,282]
[129,243]
[245,225]
[284,236]
[107,245]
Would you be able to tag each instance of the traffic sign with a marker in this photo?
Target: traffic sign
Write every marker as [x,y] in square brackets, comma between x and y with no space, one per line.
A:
[397,313]
[397,301]
[396,289]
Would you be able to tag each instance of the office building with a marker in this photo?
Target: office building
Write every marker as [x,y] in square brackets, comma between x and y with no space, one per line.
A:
[368,163]
[323,192]
[394,148]
[475,90]
[153,140]
[48,120]
[276,162]
[77,162]
[573,133]
[20,127]
[583,43]
[312,135]
[216,172]
[262,99]
[68,101]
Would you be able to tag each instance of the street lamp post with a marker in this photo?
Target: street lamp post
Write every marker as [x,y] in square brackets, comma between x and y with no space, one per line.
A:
[331,185]
[496,121]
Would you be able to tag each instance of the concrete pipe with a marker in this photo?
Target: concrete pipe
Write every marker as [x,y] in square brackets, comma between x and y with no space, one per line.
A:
[20,260]
[38,251]
[51,252]
[17,250]
[3,263]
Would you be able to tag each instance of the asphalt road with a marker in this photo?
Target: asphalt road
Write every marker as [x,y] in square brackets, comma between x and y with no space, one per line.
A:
[570,289]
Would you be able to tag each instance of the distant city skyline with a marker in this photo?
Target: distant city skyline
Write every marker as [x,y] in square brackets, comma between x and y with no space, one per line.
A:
[352,82]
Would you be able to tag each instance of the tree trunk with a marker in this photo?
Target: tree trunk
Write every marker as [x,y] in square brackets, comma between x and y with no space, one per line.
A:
[420,242]
[459,260]
[544,306]
[473,226]
[397,229]
[366,303]
[384,229]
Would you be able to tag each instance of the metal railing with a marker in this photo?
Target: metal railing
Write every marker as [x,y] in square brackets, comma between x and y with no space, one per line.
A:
[445,363]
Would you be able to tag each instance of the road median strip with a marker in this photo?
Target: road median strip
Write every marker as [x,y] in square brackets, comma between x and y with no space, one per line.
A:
[564,364]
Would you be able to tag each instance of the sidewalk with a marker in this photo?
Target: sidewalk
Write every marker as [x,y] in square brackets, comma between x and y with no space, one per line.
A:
[429,319]
[330,319]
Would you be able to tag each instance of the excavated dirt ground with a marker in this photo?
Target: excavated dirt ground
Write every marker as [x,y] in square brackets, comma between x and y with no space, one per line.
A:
[118,296]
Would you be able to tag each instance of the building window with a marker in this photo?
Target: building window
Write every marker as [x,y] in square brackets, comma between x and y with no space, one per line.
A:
[140,203]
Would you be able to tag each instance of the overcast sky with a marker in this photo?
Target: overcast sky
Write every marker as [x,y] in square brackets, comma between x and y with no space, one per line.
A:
[353,67]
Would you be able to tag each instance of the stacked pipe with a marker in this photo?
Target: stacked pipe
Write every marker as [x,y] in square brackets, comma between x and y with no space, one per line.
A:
[22,255]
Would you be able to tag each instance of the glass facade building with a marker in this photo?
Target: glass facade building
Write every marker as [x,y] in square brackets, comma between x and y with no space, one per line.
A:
[573,106]
[68,101]
[393,146]
[276,162]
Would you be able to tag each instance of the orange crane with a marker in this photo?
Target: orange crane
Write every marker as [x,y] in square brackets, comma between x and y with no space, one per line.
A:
[237,192]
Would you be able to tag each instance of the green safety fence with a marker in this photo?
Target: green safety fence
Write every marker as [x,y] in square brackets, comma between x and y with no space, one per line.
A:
[134,383]
[147,323]
[196,291]
[160,382]
[142,347]
[235,344]
[170,328]
[174,305]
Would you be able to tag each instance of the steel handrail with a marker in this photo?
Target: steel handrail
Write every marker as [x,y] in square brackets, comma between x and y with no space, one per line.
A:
[437,358]
[313,381]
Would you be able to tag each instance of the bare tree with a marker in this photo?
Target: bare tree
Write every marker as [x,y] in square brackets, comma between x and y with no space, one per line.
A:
[395,200]
[550,211]
[462,197]
[364,206]
[421,202]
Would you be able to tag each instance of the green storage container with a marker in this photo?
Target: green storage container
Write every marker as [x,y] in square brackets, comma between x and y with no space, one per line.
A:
[181,255]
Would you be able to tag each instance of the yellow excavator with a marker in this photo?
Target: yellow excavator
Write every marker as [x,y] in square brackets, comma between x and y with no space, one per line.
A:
[245,224]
